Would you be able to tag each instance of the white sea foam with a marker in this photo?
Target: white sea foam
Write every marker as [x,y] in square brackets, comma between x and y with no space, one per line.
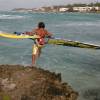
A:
[84,24]
[78,24]
[11,16]
[1,31]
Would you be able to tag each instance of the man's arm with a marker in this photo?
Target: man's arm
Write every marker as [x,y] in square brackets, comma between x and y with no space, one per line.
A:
[49,35]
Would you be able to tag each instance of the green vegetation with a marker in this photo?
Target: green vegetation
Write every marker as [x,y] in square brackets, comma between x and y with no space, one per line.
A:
[94,4]
[6,97]
[82,5]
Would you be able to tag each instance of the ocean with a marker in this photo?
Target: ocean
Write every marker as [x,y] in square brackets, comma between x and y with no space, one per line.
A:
[80,67]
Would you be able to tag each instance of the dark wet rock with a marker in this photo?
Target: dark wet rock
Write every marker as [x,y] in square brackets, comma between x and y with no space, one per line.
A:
[31,83]
[92,94]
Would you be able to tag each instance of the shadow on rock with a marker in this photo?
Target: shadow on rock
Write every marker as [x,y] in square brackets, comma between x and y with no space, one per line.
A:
[92,94]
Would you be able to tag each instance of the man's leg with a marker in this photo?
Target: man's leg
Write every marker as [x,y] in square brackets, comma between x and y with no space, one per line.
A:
[39,50]
[34,54]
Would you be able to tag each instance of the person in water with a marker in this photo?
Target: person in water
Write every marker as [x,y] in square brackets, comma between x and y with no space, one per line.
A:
[40,42]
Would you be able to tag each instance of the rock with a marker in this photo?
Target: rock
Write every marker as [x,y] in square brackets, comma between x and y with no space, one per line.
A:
[7,85]
[26,83]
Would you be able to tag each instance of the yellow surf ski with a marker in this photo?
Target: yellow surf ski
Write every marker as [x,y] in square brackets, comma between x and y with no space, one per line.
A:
[14,36]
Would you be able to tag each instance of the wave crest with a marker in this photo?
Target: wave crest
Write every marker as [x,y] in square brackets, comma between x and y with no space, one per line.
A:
[11,16]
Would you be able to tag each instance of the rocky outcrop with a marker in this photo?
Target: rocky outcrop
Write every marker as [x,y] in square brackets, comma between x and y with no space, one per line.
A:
[31,83]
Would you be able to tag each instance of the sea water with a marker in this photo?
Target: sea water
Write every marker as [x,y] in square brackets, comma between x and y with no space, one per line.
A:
[80,67]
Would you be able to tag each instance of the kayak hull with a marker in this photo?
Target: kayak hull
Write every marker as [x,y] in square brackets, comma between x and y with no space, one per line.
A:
[72,43]
[55,41]
[14,36]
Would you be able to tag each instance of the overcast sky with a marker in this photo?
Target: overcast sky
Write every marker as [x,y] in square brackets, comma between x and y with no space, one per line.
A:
[10,4]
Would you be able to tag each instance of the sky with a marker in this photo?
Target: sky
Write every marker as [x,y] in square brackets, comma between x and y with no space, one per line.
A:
[10,4]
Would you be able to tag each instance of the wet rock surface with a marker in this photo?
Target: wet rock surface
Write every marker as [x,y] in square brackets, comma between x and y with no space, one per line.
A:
[30,83]
[92,94]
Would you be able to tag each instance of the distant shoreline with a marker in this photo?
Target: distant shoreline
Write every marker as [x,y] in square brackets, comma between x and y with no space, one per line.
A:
[47,12]
[84,8]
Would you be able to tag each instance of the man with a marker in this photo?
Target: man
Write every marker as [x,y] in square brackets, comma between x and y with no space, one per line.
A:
[40,42]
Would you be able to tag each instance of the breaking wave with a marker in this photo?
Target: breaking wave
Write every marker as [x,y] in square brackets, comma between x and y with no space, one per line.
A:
[78,24]
[11,16]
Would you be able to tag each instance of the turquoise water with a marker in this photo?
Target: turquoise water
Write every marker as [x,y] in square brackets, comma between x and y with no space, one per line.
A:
[79,67]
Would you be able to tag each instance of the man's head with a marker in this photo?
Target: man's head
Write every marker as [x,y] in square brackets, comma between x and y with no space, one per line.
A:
[41,25]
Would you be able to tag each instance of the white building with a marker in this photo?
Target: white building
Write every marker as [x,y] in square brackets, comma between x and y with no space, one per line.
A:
[97,8]
[84,9]
[63,9]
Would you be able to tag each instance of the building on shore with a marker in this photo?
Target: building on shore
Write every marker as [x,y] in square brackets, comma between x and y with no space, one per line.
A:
[61,9]
[85,9]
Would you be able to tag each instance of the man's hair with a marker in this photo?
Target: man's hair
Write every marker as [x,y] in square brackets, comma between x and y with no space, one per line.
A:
[41,25]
